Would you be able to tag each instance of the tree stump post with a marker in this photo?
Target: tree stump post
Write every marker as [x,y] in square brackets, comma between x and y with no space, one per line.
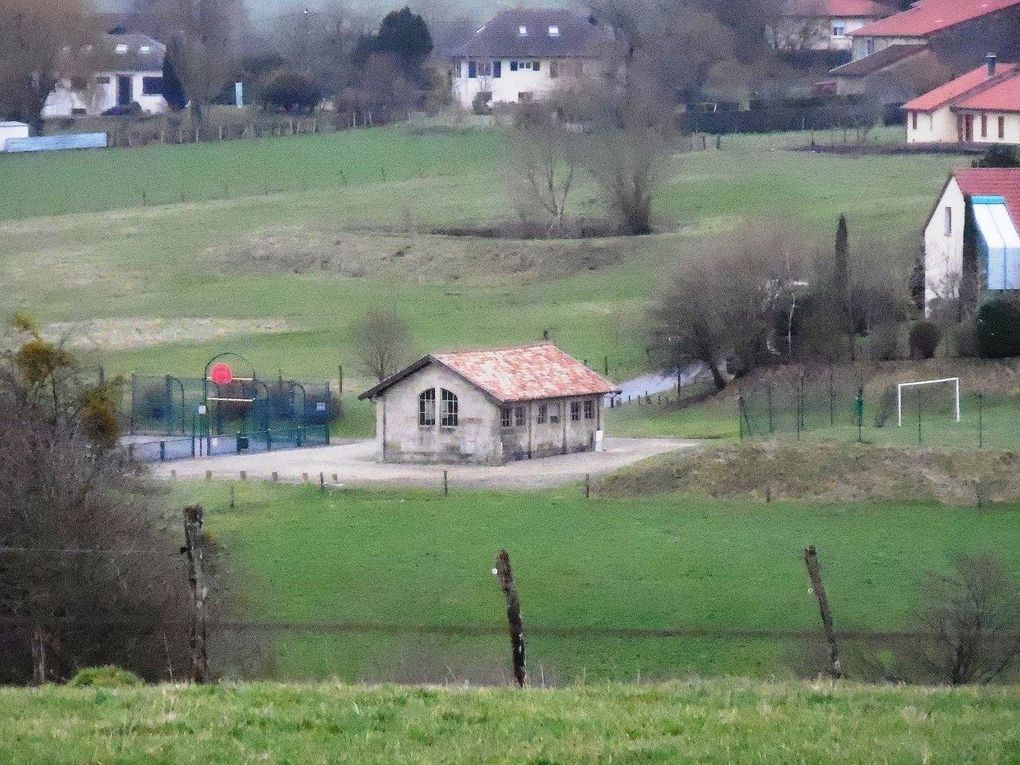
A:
[505,572]
[815,573]
[194,541]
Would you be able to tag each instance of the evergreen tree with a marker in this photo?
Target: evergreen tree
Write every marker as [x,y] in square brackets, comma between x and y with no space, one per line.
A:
[403,35]
[173,90]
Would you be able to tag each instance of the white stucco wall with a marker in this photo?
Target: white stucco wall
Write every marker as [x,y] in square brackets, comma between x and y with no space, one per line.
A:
[816,33]
[943,253]
[101,95]
[510,84]
[1010,124]
[860,44]
[932,127]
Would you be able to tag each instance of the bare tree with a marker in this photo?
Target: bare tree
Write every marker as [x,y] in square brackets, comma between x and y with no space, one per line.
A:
[972,618]
[543,164]
[382,343]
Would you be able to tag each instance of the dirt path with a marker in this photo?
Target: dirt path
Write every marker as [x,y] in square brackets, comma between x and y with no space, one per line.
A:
[354,464]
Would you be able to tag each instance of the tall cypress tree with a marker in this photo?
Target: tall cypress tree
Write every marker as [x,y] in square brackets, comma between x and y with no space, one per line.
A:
[841,275]
[173,89]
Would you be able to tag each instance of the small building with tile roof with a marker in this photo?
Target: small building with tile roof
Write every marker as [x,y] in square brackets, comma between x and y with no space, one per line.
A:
[823,24]
[982,106]
[489,406]
[983,203]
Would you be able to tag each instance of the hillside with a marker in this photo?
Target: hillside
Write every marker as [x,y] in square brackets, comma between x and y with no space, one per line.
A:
[720,721]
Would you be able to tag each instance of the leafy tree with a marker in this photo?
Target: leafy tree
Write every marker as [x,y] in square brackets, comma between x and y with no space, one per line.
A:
[291,92]
[405,36]
[998,328]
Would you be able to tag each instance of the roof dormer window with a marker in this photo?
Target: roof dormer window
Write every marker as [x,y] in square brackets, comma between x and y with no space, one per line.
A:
[145,49]
[121,48]
[554,31]
[522,31]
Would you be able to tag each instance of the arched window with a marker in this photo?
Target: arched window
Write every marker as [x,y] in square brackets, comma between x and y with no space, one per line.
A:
[427,408]
[448,413]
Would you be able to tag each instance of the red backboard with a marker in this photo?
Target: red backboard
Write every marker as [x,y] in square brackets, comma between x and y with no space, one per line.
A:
[221,374]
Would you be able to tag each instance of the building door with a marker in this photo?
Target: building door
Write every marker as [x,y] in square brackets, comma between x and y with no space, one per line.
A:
[123,90]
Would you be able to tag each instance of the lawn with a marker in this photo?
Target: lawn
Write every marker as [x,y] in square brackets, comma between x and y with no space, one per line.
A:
[346,227]
[413,569]
[715,721]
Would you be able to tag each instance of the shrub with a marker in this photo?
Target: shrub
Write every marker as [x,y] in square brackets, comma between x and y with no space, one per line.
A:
[480,103]
[291,92]
[998,329]
[924,339]
[105,677]
[883,342]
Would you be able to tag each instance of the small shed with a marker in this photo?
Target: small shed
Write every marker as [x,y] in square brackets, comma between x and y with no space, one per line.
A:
[489,407]
[11,130]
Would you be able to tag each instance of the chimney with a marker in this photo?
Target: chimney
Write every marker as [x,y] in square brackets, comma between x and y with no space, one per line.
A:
[990,60]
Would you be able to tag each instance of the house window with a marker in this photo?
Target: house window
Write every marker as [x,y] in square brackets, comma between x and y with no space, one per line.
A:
[589,410]
[497,68]
[984,125]
[869,45]
[472,69]
[448,413]
[522,31]
[554,69]
[554,31]
[102,80]
[121,49]
[949,220]
[524,96]
[575,411]
[537,65]
[506,417]
[913,120]
[456,69]
[554,413]
[838,29]
[520,417]
[543,414]
[145,49]
[427,408]
[152,86]
[1002,128]
[513,66]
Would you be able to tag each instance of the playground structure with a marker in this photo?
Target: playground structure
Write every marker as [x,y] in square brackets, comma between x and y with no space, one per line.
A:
[230,409]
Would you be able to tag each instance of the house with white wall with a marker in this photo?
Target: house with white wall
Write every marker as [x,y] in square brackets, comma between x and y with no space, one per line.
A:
[983,203]
[119,70]
[982,106]
[823,24]
[522,55]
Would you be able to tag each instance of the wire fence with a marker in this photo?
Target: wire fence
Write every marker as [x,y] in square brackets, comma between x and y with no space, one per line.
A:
[821,404]
[243,442]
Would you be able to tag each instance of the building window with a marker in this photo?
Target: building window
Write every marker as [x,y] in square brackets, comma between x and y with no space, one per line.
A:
[520,416]
[456,69]
[984,125]
[949,220]
[554,69]
[554,413]
[513,66]
[869,45]
[102,80]
[543,414]
[522,31]
[152,86]
[524,96]
[472,69]
[575,411]
[589,410]
[554,31]
[505,417]
[1002,128]
[838,29]
[145,49]
[913,120]
[427,408]
[121,49]
[449,413]
[497,68]
[537,65]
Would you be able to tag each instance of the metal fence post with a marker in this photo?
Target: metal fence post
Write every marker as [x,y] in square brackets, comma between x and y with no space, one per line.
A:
[832,399]
[981,421]
[740,415]
[860,415]
[772,428]
[919,440]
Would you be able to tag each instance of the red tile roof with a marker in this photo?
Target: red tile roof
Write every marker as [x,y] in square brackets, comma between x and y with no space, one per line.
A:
[526,373]
[840,9]
[974,82]
[930,16]
[992,182]
[1001,97]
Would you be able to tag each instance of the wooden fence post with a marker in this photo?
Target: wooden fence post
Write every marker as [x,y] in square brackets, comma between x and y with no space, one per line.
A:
[505,572]
[194,547]
[446,484]
[815,573]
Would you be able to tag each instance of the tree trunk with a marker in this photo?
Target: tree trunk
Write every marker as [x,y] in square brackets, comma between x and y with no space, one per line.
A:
[194,539]
[814,572]
[39,641]
[505,572]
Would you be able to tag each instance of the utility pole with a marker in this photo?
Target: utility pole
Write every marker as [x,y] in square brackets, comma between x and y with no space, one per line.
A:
[194,547]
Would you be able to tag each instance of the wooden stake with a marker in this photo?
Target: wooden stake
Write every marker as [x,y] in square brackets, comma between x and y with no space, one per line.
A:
[194,541]
[815,573]
[322,481]
[587,485]
[446,484]
[505,572]
[232,503]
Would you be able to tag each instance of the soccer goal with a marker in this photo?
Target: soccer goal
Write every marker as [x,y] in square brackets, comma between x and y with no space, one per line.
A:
[954,381]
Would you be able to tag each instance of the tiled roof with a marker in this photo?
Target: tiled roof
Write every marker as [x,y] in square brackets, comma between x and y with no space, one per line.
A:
[577,36]
[842,9]
[975,81]
[929,16]
[118,53]
[876,62]
[1004,96]
[525,373]
[992,182]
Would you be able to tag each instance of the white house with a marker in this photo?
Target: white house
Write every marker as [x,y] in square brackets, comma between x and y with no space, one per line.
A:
[824,24]
[524,54]
[120,70]
[982,106]
[989,199]
[489,407]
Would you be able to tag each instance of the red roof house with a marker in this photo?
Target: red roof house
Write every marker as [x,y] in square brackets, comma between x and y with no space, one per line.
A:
[928,17]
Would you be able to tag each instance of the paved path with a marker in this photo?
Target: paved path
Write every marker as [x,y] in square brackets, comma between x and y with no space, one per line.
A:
[354,464]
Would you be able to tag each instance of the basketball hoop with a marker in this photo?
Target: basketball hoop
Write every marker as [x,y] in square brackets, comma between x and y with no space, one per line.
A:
[221,374]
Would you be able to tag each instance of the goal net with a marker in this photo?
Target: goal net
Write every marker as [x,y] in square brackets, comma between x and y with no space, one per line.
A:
[940,396]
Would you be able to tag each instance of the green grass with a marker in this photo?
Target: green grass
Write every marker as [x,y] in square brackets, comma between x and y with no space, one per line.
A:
[166,261]
[722,721]
[413,559]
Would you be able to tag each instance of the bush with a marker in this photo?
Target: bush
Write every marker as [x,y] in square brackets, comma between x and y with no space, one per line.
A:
[291,92]
[924,339]
[480,103]
[105,677]
[883,342]
[998,329]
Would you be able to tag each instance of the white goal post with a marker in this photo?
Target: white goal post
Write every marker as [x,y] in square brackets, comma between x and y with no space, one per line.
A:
[944,380]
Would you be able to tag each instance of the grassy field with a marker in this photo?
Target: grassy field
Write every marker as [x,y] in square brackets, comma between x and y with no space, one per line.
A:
[347,226]
[415,567]
[721,721]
